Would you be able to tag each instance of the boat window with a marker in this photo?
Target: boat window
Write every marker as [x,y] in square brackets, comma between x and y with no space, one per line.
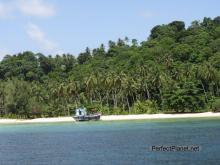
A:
[80,112]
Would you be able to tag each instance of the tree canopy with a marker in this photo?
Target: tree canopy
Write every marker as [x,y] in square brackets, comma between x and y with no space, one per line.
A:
[177,69]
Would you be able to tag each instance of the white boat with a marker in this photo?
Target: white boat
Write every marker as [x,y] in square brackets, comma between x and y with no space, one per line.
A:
[81,115]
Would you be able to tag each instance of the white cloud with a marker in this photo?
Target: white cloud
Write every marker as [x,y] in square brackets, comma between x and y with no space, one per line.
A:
[36,8]
[39,37]
[147,14]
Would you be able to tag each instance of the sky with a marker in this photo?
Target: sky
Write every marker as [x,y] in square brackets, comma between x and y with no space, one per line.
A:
[69,26]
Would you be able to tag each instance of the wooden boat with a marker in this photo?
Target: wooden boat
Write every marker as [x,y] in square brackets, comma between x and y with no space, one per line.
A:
[81,115]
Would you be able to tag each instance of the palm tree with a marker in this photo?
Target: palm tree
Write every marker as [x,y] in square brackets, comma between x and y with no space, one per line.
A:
[143,80]
[72,90]
[91,84]
[107,82]
[208,77]
[129,88]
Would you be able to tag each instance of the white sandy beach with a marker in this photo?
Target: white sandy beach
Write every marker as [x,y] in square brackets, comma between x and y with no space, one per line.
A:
[112,118]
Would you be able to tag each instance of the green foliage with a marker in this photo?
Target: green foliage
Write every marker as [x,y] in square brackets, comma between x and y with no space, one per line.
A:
[159,32]
[104,110]
[185,97]
[182,52]
[17,97]
[147,106]
[215,106]
[177,69]
[178,25]
[215,60]
[84,57]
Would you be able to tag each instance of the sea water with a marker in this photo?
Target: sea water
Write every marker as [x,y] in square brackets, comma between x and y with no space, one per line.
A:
[111,143]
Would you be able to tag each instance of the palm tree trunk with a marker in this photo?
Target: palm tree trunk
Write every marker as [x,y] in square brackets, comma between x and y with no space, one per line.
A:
[129,109]
[148,93]
[206,98]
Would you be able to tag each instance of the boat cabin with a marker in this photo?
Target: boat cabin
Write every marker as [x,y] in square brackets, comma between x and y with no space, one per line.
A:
[81,112]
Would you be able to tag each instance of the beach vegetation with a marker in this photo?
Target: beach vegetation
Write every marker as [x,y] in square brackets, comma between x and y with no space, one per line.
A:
[176,69]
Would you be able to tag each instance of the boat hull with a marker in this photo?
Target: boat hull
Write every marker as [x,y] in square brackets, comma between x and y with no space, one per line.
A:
[87,118]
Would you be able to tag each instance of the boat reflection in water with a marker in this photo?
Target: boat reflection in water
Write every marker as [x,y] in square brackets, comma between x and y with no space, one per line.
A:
[81,115]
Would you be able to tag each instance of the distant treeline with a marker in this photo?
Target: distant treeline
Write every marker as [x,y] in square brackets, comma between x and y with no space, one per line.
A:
[177,69]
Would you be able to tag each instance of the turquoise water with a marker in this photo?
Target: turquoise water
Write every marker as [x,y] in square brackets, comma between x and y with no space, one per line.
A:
[110,143]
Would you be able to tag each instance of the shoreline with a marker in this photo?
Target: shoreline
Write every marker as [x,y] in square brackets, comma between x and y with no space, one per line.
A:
[113,118]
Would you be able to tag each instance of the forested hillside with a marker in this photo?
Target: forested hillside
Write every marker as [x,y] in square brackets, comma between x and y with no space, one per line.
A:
[177,69]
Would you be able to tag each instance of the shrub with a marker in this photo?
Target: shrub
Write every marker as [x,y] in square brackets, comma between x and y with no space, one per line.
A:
[93,108]
[215,107]
[145,107]
[116,111]
[104,110]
